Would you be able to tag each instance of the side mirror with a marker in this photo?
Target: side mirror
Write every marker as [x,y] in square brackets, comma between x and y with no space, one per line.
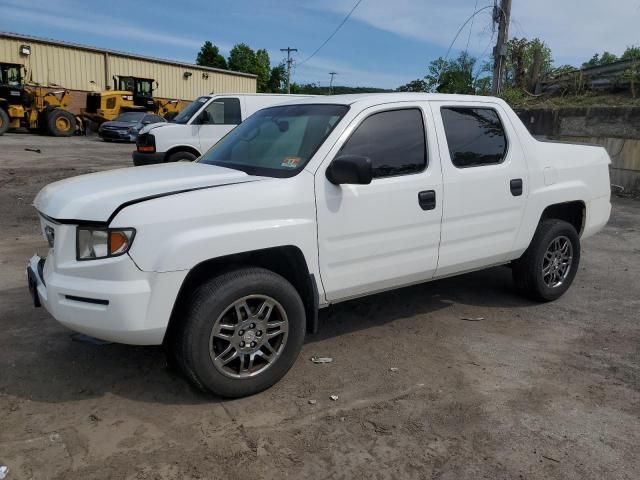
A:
[204,117]
[146,122]
[350,169]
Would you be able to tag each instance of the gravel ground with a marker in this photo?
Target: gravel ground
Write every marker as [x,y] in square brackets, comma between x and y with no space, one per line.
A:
[533,391]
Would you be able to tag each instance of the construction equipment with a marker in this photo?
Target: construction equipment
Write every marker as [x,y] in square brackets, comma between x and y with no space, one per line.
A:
[130,94]
[32,106]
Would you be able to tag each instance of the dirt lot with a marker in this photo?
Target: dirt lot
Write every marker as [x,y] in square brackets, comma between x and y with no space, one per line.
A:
[531,392]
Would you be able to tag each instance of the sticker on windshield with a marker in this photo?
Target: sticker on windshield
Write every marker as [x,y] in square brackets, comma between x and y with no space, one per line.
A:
[291,162]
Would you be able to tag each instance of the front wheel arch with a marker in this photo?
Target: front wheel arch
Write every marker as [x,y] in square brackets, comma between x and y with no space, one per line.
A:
[182,148]
[226,327]
[287,261]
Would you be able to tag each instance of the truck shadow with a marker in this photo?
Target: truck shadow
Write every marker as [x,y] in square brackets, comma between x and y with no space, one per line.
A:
[487,288]
[40,362]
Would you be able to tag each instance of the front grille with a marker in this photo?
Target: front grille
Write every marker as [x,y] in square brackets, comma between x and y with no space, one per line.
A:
[93,102]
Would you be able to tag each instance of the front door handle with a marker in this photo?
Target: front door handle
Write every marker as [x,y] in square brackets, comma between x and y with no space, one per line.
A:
[516,187]
[427,199]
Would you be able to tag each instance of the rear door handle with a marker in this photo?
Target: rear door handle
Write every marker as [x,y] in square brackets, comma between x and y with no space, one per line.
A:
[427,199]
[516,187]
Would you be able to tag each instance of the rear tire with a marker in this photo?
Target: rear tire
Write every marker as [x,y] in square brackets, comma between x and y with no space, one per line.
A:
[181,156]
[547,268]
[240,332]
[4,121]
[60,123]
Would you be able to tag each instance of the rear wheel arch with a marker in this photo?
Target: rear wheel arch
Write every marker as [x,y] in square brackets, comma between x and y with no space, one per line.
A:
[573,212]
[287,261]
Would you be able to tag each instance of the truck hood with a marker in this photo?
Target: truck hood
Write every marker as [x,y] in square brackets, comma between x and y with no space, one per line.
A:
[97,196]
[119,125]
[153,126]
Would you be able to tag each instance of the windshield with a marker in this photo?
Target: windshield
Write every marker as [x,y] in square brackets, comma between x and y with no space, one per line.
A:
[185,115]
[144,88]
[276,141]
[130,117]
[10,75]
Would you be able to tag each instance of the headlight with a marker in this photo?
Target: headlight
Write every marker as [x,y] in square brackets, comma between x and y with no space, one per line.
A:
[133,130]
[93,243]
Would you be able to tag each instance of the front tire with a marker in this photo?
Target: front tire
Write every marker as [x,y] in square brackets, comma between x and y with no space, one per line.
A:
[240,333]
[60,123]
[181,157]
[4,121]
[547,268]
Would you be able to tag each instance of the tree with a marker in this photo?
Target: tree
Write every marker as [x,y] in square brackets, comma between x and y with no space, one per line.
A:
[209,56]
[242,59]
[528,61]
[263,70]
[604,59]
[631,53]
[418,85]
[452,76]
[277,79]
[562,70]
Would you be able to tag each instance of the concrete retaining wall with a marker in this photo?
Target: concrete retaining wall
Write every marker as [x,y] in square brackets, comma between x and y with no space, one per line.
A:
[615,128]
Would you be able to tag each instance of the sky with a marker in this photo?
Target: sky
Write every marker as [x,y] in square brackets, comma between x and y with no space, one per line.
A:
[385,43]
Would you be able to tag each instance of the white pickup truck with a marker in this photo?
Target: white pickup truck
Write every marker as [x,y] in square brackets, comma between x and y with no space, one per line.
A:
[227,260]
[201,124]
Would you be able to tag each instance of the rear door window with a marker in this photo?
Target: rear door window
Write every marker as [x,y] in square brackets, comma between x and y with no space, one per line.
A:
[475,136]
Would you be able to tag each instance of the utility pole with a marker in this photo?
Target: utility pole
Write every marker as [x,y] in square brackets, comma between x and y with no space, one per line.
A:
[502,16]
[289,62]
[331,82]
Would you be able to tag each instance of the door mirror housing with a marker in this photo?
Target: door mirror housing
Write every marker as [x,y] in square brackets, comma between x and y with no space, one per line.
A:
[350,169]
[203,117]
[146,122]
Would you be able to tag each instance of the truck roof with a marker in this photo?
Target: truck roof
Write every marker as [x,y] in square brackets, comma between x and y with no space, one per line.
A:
[365,99]
[231,94]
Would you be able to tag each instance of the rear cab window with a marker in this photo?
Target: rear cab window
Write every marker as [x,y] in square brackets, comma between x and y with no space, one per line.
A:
[475,136]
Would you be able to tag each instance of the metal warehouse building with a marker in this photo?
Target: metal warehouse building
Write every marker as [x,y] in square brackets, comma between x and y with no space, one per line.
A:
[83,69]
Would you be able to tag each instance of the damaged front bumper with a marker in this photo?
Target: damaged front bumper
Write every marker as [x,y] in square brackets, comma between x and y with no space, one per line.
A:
[111,300]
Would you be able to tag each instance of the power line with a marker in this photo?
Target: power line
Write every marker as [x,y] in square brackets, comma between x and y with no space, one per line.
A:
[332,34]
[483,55]
[471,28]
[462,28]
[446,57]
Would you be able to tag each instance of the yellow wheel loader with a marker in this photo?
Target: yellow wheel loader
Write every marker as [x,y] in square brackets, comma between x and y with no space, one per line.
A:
[32,106]
[130,94]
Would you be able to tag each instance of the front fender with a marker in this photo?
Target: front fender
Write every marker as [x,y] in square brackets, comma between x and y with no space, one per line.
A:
[180,231]
[169,136]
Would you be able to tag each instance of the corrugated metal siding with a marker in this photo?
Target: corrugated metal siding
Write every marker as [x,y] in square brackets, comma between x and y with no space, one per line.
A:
[74,68]
[173,84]
[50,64]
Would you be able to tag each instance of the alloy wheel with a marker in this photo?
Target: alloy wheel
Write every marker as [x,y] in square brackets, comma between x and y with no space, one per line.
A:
[249,336]
[557,262]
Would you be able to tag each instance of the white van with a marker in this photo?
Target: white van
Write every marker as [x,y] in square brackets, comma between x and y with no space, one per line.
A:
[201,124]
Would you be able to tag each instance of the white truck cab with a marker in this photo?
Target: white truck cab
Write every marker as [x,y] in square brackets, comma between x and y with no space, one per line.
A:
[227,260]
[201,124]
